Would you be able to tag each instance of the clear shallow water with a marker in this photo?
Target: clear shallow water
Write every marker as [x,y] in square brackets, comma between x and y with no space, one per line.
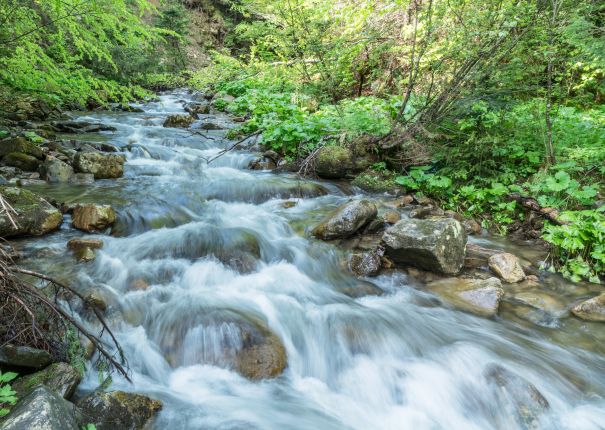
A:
[220,254]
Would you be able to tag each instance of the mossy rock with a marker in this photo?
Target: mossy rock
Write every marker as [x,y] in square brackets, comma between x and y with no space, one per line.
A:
[33,215]
[21,161]
[21,145]
[119,410]
[61,378]
[374,183]
[334,162]
[179,121]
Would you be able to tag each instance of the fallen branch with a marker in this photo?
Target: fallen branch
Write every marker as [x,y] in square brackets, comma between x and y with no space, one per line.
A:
[232,147]
[9,211]
[93,339]
[550,214]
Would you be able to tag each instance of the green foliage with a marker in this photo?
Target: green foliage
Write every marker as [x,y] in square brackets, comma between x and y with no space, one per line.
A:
[7,395]
[76,51]
[579,245]
[75,352]
[89,426]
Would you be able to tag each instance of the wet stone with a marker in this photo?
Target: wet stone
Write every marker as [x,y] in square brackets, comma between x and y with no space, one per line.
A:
[346,220]
[61,378]
[24,356]
[119,410]
[592,309]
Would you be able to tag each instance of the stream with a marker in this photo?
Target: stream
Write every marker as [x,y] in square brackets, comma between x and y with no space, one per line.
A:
[203,257]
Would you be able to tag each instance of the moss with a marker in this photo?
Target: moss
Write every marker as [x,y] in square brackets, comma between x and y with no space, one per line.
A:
[22,145]
[334,155]
[22,161]
[374,183]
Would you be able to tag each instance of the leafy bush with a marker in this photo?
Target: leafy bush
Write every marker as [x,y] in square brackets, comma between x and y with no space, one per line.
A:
[7,395]
[579,245]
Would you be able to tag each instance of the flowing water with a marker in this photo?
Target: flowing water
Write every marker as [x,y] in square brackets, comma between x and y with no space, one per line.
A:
[203,254]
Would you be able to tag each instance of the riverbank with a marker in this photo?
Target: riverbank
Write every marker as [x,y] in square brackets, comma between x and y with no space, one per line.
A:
[217,275]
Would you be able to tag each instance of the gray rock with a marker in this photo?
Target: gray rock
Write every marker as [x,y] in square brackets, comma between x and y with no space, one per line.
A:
[61,378]
[518,400]
[119,410]
[33,215]
[346,220]
[435,245]
[592,309]
[198,108]
[179,121]
[42,409]
[365,264]
[507,267]
[211,126]
[102,166]
[55,170]
[24,356]
[479,296]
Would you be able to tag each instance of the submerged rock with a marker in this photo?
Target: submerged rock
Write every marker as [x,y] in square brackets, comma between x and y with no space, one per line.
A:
[507,267]
[591,310]
[261,357]
[61,378]
[481,297]
[56,171]
[84,255]
[521,400]
[435,245]
[42,409]
[346,220]
[119,410]
[24,356]
[33,215]
[93,217]
[179,121]
[102,166]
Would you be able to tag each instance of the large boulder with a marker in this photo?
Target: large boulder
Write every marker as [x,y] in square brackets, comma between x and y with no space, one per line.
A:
[334,162]
[592,309]
[61,378]
[346,220]
[102,166]
[119,410]
[56,171]
[507,267]
[21,161]
[24,356]
[435,245]
[521,405]
[42,409]
[21,145]
[93,217]
[33,215]
[179,121]
[481,297]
